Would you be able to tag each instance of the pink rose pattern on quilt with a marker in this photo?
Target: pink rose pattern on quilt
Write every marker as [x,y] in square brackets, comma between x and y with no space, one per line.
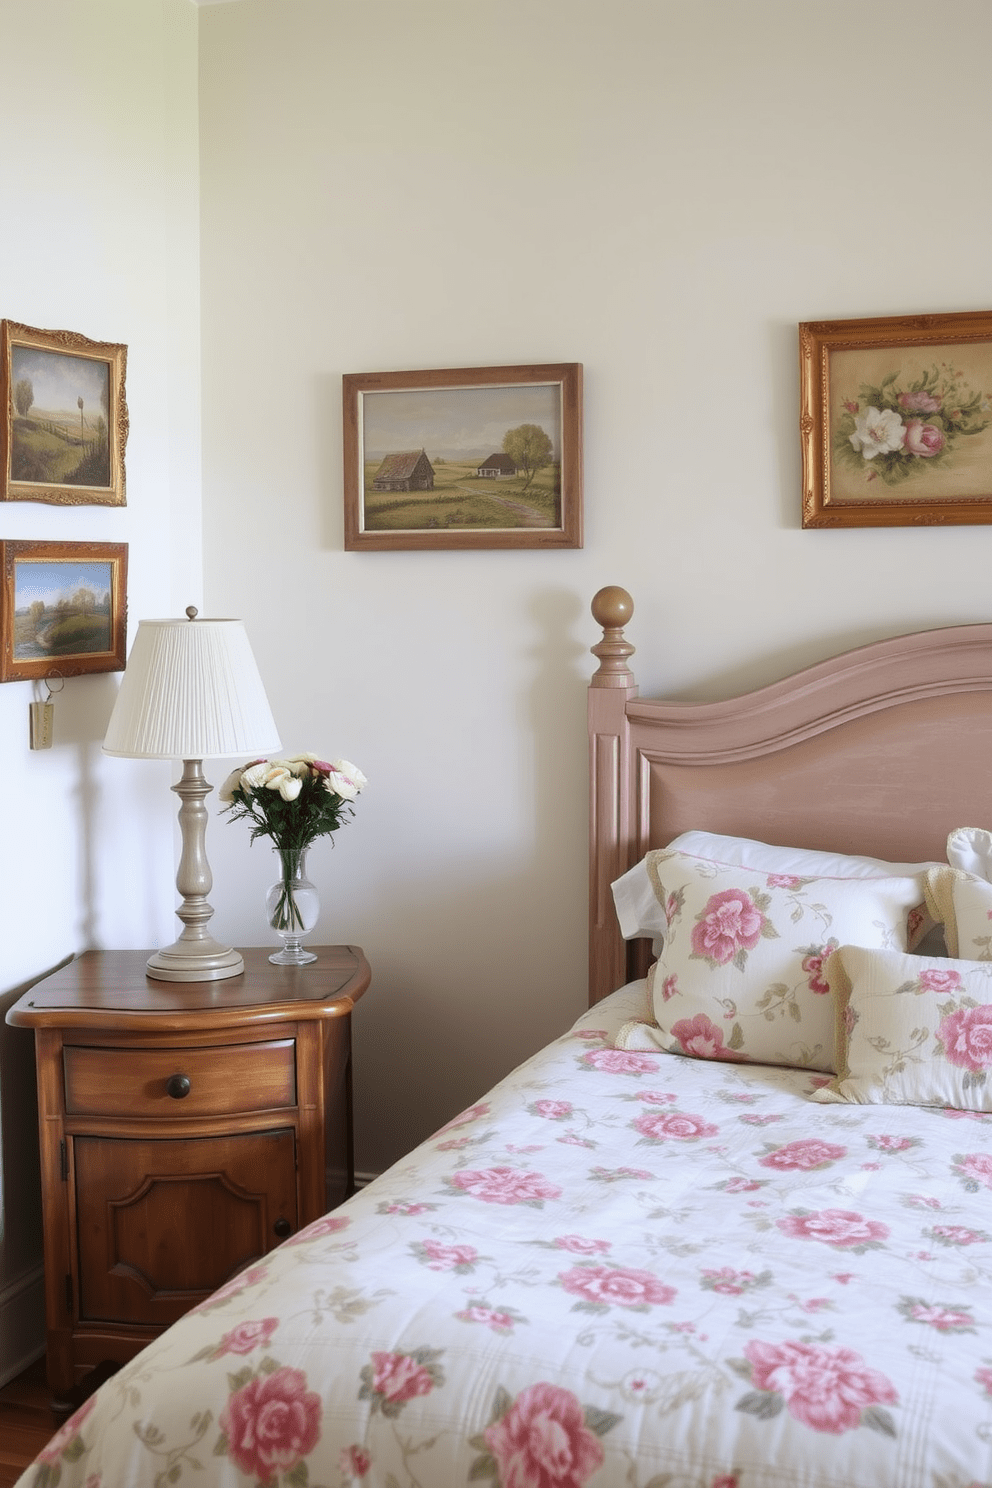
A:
[740,972]
[642,1269]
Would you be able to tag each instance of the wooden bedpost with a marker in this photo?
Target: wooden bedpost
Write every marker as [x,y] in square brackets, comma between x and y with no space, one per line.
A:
[610,688]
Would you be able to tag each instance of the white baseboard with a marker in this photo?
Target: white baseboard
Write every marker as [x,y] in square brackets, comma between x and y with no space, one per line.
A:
[22,1323]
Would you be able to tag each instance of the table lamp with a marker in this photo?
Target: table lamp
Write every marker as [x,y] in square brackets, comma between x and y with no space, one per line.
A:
[191,691]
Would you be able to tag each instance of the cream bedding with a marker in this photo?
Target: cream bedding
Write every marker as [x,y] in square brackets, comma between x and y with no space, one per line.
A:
[619,1268]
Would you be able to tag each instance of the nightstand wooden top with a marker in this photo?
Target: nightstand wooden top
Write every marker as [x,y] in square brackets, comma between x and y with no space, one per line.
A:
[110,990]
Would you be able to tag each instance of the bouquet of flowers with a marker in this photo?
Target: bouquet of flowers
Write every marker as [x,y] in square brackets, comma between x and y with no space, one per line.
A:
[292,801]
[896,428]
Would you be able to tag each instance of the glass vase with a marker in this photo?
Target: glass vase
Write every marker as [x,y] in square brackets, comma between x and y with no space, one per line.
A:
[292,905]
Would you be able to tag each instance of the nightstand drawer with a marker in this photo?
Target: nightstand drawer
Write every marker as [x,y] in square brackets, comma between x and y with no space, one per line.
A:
[223,1079]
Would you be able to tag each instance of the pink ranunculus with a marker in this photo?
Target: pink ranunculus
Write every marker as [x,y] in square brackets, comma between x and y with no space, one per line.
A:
[398,1377]
[674,1126]
[936,980]
[272,1423]
[620,1062]
[543,1441]
[919,402]
[247,1337]
[701,1037]
[622,1285]
[924,439]
[66,1433]
[579,1245]
[448,1257]
[803,1156]
[730,923]
[354,1461]
[841,1228]
[967,1037]
[944,1319]
[499,1322]
[825,1388]
[553,1110]
[505,1186]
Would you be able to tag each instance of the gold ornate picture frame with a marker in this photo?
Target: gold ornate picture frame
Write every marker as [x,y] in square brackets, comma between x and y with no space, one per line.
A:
[65,421]
[896,420]
[63,609]
[468,457]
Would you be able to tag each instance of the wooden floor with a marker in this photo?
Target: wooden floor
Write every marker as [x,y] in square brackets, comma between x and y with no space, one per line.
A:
[26,1422]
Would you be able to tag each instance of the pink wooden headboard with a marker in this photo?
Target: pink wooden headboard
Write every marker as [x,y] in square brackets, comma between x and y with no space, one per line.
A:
[883,750]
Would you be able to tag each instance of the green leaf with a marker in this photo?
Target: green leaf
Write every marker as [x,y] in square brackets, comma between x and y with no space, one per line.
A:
[483,1467]
[879,1420]
[600,1421]
[761,1403]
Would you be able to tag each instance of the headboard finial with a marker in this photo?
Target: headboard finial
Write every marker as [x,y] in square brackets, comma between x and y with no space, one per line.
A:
[611,608]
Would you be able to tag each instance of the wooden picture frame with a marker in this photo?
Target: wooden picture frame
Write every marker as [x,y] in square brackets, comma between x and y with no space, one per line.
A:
[65,421]
[63,609]
[466,457]
[896,420]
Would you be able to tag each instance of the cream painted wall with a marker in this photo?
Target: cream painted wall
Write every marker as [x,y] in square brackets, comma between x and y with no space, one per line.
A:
[99,180]
[660,191]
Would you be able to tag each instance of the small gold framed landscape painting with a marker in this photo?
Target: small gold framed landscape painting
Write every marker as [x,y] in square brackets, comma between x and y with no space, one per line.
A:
[63,609]
[65,421]
[469,457]
[896,420]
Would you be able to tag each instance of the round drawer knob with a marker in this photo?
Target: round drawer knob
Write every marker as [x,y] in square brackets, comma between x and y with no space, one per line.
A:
[282,1228]
[177,1086]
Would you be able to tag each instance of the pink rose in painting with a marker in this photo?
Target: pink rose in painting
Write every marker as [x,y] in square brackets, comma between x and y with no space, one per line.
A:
[553,1110]
[66,1433]
[663,1126]
[841,1228]
[354,1462]
[246,1337]
[803,1156]
[730,923]
[967,1037]
[620,1284]
[825,1388]
[272,1423]
[701,1037]
[984,1378]
[543,1441]
[923,439]
[398,1377]
[505,1186]
[578,1245]
[620,1062]
[919,402]
[936,980]
[448,1257]
[499,1322]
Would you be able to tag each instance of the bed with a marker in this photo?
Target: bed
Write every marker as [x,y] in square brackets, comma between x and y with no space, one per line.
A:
[730,1230]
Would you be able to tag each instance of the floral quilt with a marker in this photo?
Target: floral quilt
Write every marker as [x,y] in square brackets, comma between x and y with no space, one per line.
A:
[619,1268]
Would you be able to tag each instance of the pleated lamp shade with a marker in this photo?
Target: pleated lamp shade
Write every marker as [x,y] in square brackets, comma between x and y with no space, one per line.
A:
[191,691]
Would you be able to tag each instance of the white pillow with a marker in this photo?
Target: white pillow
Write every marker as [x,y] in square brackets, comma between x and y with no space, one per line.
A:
[970,849]
[739,973]
[912,1030]
[962,902]
[640,914]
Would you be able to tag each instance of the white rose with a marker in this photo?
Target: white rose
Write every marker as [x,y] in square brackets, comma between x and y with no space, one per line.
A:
[878,432]
[255,776]
[282,779]
[226,792]
[345,779]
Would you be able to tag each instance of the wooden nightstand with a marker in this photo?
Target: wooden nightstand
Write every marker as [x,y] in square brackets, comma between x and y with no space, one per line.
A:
[186,1129]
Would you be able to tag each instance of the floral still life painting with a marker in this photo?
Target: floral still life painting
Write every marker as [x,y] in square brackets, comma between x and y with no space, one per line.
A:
[887,432]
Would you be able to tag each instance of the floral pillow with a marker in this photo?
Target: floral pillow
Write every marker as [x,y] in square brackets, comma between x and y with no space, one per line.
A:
[912,1030]
[739,976]
[963,903]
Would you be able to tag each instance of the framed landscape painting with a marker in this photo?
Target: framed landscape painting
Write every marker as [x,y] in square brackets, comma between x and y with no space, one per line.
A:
[896,420]
[470,457]
[65,420]
[63,609]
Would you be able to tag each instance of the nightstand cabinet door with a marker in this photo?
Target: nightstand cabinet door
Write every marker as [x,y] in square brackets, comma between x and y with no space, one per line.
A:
[161,1224]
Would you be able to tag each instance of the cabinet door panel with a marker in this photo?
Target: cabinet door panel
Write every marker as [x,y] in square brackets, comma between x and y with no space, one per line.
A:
[161,1224]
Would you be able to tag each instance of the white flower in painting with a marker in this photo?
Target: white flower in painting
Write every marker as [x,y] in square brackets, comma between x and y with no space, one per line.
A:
[345,779]
[878,432]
